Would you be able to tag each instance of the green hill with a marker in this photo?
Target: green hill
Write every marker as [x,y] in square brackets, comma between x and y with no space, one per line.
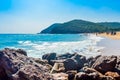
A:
[81,26]
[113,26]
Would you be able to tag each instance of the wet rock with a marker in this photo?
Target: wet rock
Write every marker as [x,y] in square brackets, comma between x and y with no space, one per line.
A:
[70,64]
[80,60]
[49,57]
[105,63]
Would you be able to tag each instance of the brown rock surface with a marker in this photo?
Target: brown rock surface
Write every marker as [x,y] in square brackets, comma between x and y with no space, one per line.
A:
[71,74]
[113,74]
[15,63]
[60,76]
[105,63]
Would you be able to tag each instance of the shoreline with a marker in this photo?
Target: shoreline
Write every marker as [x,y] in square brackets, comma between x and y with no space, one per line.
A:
[111,44]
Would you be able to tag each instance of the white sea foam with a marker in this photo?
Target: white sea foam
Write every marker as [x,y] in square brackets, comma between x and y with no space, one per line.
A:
[86,47]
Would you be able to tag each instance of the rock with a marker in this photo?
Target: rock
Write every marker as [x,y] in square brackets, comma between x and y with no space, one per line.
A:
[14,63]
[70,64]
[49,57]
[84,76]
[118,65]
[6,65]
[60,76]
[21,52]
[106,78]
[90,70]
[91,60]
[64,56]
[32,72]
[113,74]
[71,74]
[80,60]
[105,63]
[58,67]
[52,62]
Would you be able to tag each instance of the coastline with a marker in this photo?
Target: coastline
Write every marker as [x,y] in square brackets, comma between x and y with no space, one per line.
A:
[111,44]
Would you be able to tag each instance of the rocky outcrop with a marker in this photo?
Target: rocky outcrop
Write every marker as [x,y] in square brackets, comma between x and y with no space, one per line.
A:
[71,61]
[105,63]
[15,65]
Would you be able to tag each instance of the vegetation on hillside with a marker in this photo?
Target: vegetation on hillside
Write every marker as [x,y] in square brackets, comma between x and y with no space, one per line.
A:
[81,26]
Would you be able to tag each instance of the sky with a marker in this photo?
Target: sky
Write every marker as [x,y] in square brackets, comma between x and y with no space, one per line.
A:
[32,16]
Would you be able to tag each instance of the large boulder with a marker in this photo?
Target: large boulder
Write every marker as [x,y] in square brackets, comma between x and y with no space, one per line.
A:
[14,62]
[32,72]
[70,64]
[105,63]
[80,60]
[91,60]
[49,57]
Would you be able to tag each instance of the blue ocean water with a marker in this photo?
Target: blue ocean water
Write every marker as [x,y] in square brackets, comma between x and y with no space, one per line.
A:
[38,44]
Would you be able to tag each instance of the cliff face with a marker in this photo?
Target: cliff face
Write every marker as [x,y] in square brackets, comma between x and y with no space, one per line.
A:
[81,26]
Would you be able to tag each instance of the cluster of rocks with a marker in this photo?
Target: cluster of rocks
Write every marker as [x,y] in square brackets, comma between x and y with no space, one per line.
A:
[78,67]
[16,65]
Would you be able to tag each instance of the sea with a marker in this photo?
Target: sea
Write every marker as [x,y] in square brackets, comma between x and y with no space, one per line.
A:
[37,45]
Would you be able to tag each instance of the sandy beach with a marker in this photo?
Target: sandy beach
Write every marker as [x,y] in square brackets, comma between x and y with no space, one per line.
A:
[113,37]
[111,44]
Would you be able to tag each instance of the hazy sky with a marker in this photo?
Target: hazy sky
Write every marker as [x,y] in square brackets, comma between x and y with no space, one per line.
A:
[31,16]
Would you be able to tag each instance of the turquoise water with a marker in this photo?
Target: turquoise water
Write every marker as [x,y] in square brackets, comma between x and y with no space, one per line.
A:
[38,44]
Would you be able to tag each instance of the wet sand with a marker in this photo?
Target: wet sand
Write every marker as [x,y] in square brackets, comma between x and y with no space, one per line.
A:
[111,46]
